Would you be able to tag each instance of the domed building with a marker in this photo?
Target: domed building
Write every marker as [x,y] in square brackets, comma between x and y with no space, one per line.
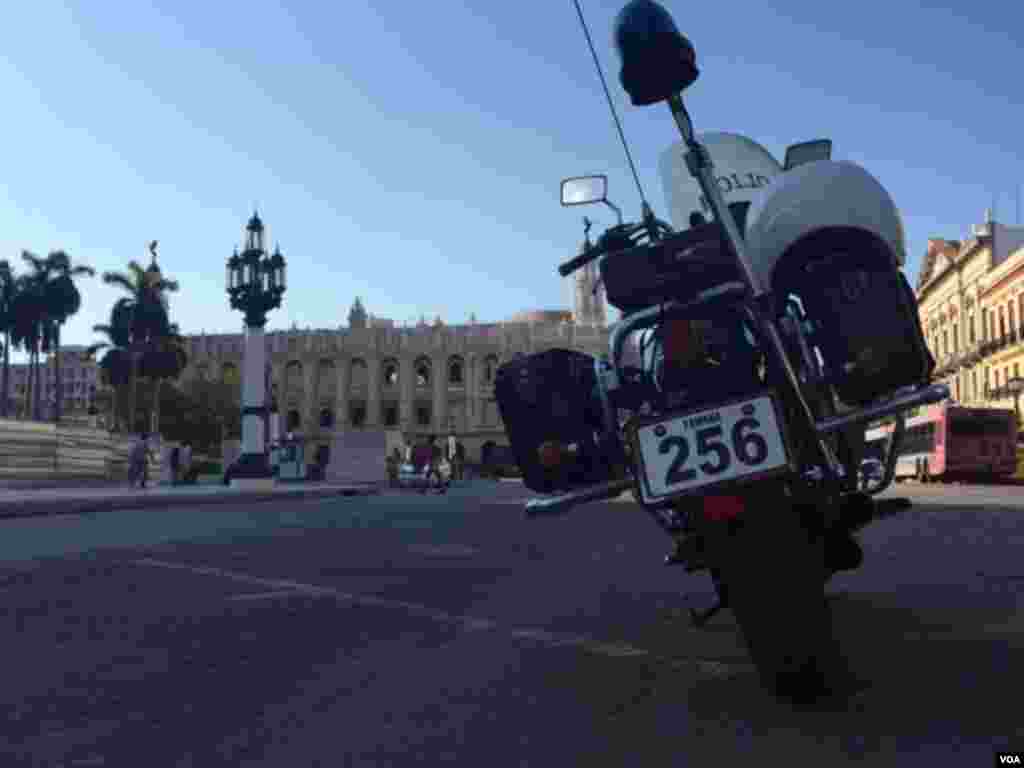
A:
[429,379]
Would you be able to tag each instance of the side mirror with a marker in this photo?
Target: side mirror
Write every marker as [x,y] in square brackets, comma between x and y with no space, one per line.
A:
[807,152]
[583,190]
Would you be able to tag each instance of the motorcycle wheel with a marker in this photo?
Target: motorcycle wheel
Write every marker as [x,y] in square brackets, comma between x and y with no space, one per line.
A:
[773,572]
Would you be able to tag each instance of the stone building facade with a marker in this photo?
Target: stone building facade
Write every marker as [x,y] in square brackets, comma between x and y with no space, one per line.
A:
[80,381]
[971,301]
[428,379]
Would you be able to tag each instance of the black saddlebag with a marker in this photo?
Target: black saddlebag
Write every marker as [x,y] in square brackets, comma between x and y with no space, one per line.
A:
[675,269]
[863,312]
[552,395]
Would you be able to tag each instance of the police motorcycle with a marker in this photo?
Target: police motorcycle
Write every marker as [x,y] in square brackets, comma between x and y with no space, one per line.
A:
[760,334]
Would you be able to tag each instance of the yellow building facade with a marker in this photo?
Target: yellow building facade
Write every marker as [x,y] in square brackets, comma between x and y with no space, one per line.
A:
[971,301]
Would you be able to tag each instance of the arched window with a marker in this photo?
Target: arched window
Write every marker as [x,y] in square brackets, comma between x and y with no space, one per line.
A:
[326,418]
[456,367]
[490,367]
[390,370]
[423,415]
[293,376]
[294,420]
[422,371]
[357,378]
[357,414]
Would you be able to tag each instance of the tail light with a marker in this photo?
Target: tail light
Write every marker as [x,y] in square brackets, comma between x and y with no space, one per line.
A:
[678,341]
[552,453]
[683,341]
[722,508]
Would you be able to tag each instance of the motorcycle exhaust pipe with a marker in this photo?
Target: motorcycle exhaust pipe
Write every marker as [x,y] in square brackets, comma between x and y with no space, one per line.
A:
[559,505]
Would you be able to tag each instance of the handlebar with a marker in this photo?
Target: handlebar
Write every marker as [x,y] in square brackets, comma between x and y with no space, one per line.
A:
[615,238]
[578,261]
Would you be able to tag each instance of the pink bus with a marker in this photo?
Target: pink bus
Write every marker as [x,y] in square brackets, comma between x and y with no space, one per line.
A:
[953,442]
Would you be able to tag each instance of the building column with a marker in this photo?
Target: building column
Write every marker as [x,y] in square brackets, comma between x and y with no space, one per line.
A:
[309,410]
[473,392]
[373,395]
[341,400]
[405,397]
[440,382]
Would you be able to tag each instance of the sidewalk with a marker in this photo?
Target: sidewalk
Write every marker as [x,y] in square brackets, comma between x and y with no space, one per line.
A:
[80,499]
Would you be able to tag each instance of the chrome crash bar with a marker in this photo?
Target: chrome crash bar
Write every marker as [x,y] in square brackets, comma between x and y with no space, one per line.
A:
[556,505]
[608,373]
[891,454]
[932,393]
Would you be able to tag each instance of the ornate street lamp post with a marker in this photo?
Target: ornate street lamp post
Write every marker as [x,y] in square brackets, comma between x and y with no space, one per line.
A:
[255,283]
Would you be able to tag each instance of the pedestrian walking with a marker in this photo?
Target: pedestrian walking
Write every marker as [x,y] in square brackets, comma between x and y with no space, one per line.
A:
[185,460]
[175,464]
[138,459]
[459,463]
[434,461]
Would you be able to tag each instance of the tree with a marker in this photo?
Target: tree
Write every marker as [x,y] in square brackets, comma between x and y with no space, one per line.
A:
[115,367]
[146,291]
[27,332]
[163,358]
[217,403]
[61,300]
[8,289]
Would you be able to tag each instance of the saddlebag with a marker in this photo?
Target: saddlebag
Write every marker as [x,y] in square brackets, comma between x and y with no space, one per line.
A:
[862,310]
[674,269]
[552,396]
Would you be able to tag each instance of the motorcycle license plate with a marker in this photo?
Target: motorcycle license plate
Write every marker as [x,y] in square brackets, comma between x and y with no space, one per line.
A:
[700,450]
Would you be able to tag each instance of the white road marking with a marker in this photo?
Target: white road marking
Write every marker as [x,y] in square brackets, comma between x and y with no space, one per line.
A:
[278,593]
[450,550]
[287,587]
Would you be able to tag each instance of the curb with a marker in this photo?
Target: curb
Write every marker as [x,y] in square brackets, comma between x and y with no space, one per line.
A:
[51,507]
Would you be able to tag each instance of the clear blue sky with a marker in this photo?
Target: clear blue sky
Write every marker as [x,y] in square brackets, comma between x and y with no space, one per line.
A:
[410,153]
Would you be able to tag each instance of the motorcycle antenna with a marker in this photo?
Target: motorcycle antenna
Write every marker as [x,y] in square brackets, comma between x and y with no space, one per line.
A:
[647,212]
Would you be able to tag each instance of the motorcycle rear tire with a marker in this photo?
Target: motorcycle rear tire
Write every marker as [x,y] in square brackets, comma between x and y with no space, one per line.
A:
[774,571]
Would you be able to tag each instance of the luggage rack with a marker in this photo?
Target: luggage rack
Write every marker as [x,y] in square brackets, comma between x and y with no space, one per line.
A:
[903,401]
[608,380]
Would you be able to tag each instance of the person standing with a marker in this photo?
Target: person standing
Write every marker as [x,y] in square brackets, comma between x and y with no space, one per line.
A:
[175,464]
[138,458]
[459,462]
[435,456]
[185,459]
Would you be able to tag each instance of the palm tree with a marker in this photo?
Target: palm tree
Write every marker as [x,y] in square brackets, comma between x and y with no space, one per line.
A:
[164,358]
[27,332]
[61,300]
[115,367]
[8,287]
[146,289]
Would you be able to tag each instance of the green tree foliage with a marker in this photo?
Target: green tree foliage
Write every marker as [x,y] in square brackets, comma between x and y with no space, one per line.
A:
[144,315]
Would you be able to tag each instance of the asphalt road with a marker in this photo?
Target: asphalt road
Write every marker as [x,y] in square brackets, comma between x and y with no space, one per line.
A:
[425,630]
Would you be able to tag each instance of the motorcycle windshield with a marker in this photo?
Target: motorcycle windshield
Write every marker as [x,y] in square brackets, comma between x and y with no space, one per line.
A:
[742,167]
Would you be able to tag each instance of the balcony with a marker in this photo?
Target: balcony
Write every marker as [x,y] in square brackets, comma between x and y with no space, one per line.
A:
[972,355]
